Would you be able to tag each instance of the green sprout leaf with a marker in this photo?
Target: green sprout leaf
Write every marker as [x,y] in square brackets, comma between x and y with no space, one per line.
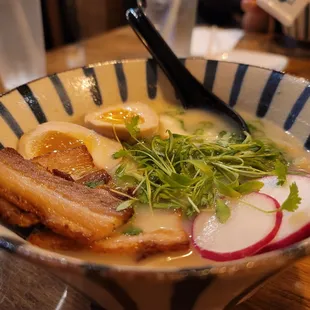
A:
[201,165]
[125,205]
[190,173]
[226,190]
[293,200]
[132,231]
[94,184]
[119,154]
[281,172]
[249,187]
[132,126]
[222,211]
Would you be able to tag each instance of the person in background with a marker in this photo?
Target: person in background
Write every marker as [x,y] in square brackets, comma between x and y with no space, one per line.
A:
[254,18]
[233,13]
[224,13]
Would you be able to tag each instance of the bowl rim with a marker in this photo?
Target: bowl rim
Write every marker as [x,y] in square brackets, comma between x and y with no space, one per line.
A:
[280,257]
[144,59]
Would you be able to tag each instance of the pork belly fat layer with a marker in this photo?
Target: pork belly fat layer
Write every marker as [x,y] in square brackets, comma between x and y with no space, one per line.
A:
[15,216]
[75,161]
[144,244]
[101,177]
[141,246]
[49,240]
[68,208]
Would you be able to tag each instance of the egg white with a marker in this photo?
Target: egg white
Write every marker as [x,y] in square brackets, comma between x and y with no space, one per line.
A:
[101,148]
[147,129]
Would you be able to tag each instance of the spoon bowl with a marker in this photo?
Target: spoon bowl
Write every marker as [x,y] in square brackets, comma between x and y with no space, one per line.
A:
[190,91]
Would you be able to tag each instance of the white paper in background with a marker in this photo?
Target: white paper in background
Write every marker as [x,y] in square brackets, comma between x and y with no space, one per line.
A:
[210,41]
[285,11]
[219,44]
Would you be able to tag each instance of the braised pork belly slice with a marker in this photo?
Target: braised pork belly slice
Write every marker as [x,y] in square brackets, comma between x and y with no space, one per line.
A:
[155,238]
[61,174]
[76,162]
[96,178]
[13,215]
[149,232]
[49,240]
[144,244]
[68,208]
[141,246]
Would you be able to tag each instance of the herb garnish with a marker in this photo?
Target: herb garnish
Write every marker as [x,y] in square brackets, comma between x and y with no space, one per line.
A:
[132,126]
[191,173]
[281,172]
[293,200]
[291,203]
[256,127]
[132,231]
[202,127]
[94,184]
[175,112]
[222,211]
[250,187]
[125,204]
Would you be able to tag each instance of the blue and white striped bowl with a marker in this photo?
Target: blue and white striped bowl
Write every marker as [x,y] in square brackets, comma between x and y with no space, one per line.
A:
[69,95]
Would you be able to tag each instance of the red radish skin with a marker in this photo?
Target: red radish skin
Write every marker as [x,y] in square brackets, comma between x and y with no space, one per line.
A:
[295,225]
[248,250]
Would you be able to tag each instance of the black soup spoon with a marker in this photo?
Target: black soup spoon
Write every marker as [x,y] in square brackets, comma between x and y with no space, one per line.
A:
[191,92]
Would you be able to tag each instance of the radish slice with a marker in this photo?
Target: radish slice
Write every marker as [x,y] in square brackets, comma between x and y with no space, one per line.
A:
[295,225]
[246,231]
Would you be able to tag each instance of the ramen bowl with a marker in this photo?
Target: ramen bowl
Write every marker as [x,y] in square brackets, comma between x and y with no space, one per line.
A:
[67,96]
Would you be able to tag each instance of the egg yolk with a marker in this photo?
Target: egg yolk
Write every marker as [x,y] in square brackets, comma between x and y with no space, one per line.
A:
[119,116]
[55,141]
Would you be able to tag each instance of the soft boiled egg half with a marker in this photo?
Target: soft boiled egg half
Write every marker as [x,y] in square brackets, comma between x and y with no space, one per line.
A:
[58,136]
[113,119]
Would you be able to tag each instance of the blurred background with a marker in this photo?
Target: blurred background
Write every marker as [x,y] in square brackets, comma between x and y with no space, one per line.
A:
[33,27]
[85,31]
[67,21]
[79,32]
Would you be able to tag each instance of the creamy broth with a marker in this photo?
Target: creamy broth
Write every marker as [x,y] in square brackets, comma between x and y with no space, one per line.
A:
[153,219]
[189,258]
[192,121]
[286,141]
[149,221]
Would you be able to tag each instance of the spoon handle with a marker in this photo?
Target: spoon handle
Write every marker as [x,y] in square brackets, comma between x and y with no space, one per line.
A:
[178,75]
[191,92]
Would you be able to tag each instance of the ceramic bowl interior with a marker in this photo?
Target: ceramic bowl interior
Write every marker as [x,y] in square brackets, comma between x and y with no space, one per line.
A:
[67,96]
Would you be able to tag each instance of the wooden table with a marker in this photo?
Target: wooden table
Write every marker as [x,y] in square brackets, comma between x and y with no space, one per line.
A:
[289,291]
[122,43]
